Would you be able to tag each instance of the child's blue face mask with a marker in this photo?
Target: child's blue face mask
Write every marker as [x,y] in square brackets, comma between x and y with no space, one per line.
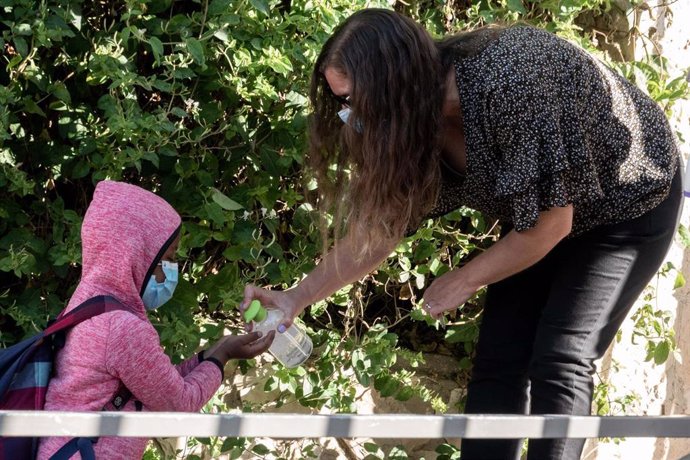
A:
[156,294]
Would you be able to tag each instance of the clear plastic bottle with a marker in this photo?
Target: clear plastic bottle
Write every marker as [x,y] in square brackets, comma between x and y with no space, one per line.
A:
[293,346]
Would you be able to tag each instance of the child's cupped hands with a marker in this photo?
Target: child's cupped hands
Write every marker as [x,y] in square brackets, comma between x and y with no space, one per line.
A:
[244,346]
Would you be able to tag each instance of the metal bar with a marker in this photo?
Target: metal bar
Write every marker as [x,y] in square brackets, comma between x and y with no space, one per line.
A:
[163,424]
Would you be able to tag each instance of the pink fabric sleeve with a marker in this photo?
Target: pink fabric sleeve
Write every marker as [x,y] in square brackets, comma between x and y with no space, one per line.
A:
[134,355]
[186,366]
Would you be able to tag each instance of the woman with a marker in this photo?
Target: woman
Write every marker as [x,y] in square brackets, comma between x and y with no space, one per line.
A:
[579,166]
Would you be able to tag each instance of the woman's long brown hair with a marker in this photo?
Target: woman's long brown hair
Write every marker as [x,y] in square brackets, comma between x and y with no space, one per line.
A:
[397,96]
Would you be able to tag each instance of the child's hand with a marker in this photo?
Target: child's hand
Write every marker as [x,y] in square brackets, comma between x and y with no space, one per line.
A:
[241,346]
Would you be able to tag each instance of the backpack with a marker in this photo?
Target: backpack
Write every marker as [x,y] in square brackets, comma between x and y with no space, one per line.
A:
[25,371]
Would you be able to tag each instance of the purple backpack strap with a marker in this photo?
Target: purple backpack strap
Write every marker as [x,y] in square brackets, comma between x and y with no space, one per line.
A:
[90,308]
[25,370]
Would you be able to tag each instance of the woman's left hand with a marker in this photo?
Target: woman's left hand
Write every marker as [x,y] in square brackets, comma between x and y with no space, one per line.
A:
[446,293]
[509,255]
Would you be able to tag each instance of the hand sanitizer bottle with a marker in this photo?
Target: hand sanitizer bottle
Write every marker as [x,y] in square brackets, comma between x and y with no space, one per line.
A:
[292,347]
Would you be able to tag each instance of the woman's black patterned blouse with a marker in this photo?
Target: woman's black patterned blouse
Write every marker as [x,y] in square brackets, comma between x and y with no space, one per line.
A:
[546,124]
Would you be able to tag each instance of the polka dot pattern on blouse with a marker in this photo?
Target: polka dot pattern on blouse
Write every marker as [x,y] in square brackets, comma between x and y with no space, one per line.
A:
[547,124]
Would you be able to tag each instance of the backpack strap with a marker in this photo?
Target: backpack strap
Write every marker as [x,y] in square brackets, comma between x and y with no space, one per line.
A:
[14,358]
[88,309]
[82,445]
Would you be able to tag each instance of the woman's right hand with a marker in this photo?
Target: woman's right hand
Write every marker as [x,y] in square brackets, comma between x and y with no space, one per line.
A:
[285,301]
[338,268]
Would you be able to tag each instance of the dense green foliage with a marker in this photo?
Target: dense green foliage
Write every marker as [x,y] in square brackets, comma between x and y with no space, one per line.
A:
[204,102]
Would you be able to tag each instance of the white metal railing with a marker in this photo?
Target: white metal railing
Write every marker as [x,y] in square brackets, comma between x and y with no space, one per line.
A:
[174,424]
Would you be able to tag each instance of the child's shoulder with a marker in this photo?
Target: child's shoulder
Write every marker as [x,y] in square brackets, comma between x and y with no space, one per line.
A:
[121,322]
[127,319]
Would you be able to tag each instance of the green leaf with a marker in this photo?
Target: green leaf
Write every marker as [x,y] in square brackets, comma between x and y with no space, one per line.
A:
[661,352]
[196,49]
[223,201]
[371,447]
[684,235]
[156,47]
[232,443]
[386,385]
[516,6]
[152,157]
[6,264]
[397,453]
[446,449]
[75,16]
[222,35]
[217,7]
[162,85]
[23,29]
[260,449]
[405,393]
[167,150]
[81,169]
[179,112]
[61,93]
[466,333]
[215,213]
[281,65]
[679,281]
[435,266]
[31,107]
[261,6]
[21,46]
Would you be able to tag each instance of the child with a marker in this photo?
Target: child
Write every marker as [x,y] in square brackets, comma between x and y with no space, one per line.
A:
[129,239]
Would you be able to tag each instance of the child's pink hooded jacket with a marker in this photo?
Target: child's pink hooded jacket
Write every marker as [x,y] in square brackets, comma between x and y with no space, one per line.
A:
[125,231]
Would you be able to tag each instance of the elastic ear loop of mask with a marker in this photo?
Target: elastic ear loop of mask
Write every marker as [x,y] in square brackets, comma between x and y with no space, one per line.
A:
[158,257]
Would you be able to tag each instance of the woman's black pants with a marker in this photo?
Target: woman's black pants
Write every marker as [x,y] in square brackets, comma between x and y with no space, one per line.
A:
[543,328]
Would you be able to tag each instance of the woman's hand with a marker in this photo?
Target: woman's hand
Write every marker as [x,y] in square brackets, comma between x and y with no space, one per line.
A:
[446,293]
[245,346]
[338,268]
[509,255]
[285,301]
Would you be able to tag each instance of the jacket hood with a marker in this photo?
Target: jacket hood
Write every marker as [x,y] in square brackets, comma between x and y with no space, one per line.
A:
[125,232]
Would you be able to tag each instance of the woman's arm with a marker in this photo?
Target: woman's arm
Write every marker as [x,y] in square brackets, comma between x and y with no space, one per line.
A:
[338,268]
[511,254]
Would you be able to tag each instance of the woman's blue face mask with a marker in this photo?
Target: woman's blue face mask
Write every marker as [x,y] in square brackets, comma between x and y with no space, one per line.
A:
[156,294]
[344,115]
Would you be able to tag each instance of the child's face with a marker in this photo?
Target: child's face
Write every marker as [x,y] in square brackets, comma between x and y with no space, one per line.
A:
[170,257]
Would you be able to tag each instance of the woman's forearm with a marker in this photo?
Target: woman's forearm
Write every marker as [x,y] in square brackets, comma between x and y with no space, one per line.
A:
[518,250]
[513,253]
[337,269]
